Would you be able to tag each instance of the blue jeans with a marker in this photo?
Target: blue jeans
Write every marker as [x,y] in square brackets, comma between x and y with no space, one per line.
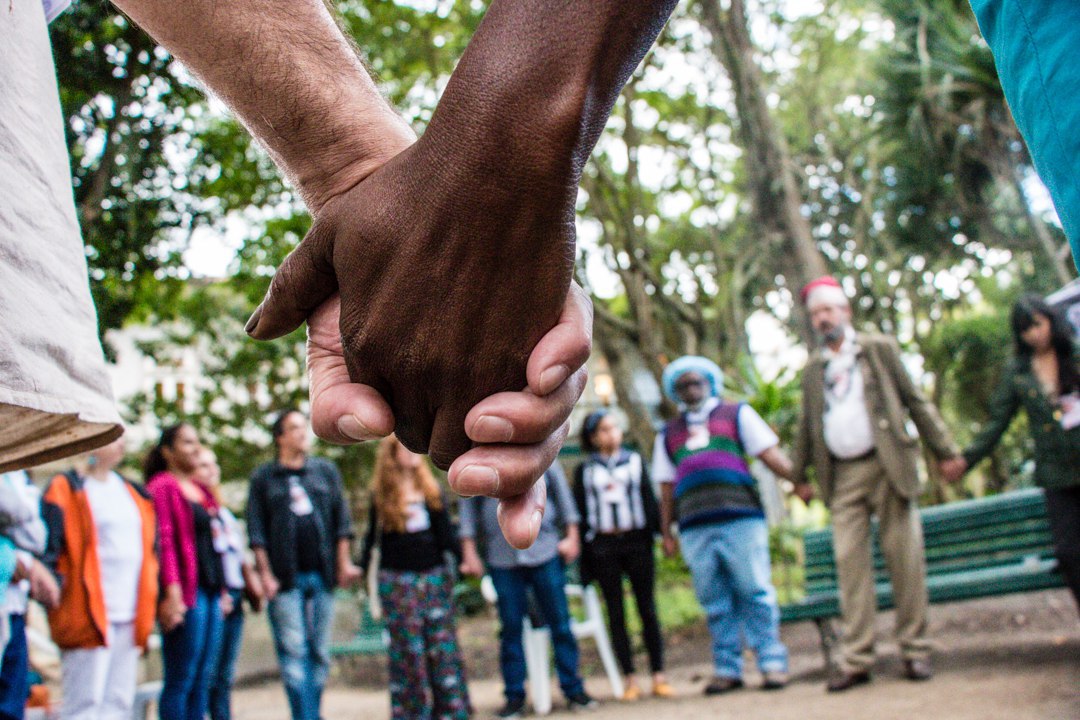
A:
[221,678]
[729,562]
[188,652]
[15,671]
[548,584]
[301,619]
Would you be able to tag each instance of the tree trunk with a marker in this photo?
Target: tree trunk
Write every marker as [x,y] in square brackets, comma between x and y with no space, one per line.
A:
[1046,243]
[619,349]
[774,191]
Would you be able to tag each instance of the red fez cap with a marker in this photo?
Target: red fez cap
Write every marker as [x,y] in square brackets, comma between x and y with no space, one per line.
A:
[822,282]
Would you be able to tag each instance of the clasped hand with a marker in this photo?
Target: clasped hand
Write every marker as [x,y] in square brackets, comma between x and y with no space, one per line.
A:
[441,308]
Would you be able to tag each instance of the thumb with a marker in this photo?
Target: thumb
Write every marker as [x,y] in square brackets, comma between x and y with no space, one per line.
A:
[303,281]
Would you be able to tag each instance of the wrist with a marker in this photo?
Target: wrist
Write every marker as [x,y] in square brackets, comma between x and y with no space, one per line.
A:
[506,151]
[342,163]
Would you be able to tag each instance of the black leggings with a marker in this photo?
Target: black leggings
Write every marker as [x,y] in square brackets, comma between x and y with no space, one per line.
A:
[1063,511]
[631,555]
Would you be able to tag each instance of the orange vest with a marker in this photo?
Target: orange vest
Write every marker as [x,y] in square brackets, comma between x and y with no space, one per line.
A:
[79,620]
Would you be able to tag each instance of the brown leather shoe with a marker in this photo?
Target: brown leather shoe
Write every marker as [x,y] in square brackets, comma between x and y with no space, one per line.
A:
[918,670]
[774,680]
[720,685]
[846,680]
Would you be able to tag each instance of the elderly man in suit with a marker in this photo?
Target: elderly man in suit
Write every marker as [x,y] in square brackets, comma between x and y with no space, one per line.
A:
[857,398]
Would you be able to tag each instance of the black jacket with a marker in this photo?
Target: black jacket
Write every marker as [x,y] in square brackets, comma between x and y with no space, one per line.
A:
[272,525]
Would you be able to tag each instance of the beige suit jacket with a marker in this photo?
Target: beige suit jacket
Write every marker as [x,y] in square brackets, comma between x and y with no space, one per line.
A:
[891,398]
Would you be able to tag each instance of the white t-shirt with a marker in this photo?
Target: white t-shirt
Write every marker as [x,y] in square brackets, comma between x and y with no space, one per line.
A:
[230,543]
[848,432]
[754,433]
[54,7]
[119,541]
[417,517]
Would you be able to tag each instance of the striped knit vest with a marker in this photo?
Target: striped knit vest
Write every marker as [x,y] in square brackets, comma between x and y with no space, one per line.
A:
[712,483]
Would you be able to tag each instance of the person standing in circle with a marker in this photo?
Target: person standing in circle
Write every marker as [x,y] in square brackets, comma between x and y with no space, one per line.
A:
[102,531]
[619,521]
[240,581]
[300,531]
[410,525]
[192,578]
[1044,380]
[702,462]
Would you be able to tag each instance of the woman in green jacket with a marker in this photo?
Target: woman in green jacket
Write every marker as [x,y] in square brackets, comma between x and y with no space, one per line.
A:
[1044,379]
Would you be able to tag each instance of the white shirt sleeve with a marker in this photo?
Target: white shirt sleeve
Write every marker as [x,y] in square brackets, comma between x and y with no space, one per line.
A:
[663,470]
[53,8]
[754,433]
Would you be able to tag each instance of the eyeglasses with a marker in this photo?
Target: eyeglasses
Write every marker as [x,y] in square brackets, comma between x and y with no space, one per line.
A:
[689,383]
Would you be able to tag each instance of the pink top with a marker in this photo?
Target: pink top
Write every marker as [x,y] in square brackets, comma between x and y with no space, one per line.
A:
[176,535]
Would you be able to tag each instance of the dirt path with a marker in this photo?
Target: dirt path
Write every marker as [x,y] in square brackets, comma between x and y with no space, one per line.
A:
[1014,658]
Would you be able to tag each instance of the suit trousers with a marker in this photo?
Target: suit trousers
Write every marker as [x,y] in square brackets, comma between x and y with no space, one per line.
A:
[862,490]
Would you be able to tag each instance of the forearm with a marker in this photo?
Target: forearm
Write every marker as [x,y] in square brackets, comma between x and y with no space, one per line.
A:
[344,550]
[775,459]
[667,508]
[534,89]
[292,78]
[262,561]
[1003,406]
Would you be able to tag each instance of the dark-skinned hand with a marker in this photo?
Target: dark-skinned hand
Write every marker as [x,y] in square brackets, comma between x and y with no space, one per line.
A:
[446,293]
[415,358]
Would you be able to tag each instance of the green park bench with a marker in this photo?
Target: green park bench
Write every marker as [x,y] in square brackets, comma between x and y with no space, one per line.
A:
[370,638]
[974,548]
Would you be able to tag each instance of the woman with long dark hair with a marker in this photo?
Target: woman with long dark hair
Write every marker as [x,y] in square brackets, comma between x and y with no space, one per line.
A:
[1044,380]
[410,525]
[192,578]
[619,520]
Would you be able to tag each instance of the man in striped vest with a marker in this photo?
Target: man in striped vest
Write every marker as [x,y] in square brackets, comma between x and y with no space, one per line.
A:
[701,461]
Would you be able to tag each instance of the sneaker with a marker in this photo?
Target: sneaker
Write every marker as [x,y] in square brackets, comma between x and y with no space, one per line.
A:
[580,701]
[720,685]
[918,669]
[663,690]
[845,680]
[774,680]
[514,708]
[632,693]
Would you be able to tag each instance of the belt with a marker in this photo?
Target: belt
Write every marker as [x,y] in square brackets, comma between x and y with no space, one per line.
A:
[619,533]
[865,456]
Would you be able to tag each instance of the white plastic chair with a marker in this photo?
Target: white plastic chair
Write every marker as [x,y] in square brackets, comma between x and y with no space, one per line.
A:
[537,643]
[146,694]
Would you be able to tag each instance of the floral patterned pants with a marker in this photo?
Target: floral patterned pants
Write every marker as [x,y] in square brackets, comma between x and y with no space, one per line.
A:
[427,675]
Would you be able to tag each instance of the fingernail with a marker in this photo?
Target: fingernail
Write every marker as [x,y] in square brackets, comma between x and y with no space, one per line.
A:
[477,480]
[492,429]
[253,321]
[351,427]
[552,378]
[534,526]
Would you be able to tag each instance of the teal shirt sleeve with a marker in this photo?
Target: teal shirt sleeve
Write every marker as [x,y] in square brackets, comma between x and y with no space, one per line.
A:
[1035,43]
[7,564]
